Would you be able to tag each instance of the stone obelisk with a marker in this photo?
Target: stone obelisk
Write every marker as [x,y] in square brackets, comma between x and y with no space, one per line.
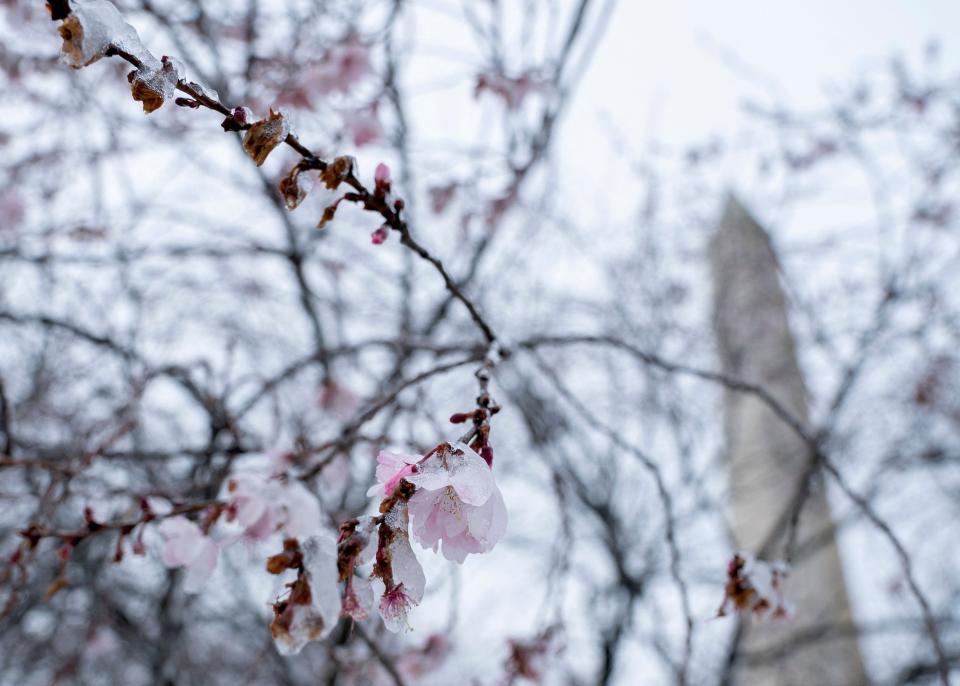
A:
[768,465]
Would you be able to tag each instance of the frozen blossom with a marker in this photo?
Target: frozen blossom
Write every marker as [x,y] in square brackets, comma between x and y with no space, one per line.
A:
[185,545]
[756,586]
[312,609]
[265,504]
[91,28]
[456,504]
[397,566]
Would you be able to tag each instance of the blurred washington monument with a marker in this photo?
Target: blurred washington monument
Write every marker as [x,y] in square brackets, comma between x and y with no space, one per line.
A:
[769,465]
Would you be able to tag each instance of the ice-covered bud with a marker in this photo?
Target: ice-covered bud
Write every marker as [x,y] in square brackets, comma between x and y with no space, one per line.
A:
[312,609]
[338,171]
[294,187]
[756,586]
[265,135]
[457,503]
[185,545]
[91,28]
[486,452]
[153,86]
[391,468]
[380,235]
[381,180]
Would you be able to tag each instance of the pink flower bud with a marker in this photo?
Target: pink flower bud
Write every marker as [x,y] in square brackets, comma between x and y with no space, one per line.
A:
[380,235]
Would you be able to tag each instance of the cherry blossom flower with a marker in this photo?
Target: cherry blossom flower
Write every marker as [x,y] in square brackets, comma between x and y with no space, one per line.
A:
[456,503]
[391,468]
[756,586]
[265,504]
[185,545]
[313,608]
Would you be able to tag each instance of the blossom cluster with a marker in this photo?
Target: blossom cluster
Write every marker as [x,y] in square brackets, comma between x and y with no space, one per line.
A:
[756,587]
[446,501]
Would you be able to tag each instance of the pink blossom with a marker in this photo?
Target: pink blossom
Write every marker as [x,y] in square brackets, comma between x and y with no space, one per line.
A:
[265,504]
[186,546]
[342,67]
[365,127]
[381,179]
[456,503]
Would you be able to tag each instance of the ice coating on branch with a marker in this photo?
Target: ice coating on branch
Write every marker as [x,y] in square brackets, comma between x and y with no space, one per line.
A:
[265,135]
[265,504]
[91,28]
[185,545]
[756,586]
[456,504]
[204,91]
[313,607]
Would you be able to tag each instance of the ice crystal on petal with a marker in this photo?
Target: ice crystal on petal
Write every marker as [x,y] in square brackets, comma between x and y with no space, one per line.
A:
[91,28]
[186,546]
[391,468]
[458,466]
